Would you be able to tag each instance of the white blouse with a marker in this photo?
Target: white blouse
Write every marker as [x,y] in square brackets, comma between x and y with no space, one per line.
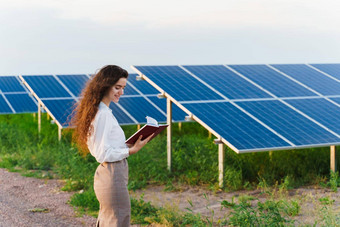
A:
[107,140]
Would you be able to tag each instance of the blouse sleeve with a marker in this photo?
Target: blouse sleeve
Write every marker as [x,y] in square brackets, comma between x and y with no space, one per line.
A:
[108,140]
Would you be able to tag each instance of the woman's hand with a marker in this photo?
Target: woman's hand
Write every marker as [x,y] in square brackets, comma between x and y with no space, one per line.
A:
[139,144]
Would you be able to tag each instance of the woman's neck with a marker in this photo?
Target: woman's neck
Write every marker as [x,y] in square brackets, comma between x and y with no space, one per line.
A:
[106,101]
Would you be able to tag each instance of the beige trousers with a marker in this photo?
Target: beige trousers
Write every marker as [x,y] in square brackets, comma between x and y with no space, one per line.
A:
[110,186]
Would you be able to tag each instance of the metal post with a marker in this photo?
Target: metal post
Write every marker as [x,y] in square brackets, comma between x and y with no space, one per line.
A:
[180,126]
[59,133]
[169,122]
[220,164]
[333,160]
[138,126]
[39,117]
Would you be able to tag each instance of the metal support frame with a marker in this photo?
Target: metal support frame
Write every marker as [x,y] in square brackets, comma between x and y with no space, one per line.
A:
[39,117]
[59,133]
[220,162]
[169,135]
[333,160]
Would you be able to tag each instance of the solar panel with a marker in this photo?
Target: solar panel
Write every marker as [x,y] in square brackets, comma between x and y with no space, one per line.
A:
[321,110]
[14,97]
[180,85]
[60,109]
[137,105]
[289,123]
[272,80]
[22,103]
[46,86]
[311,78]
[4,107]
[336,100]
[10,84]
[227,82]
[330,69]
[242,131]
[74,83]
[255,107]
[58,94]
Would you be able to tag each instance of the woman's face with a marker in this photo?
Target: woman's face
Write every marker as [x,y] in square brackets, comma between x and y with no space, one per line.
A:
[116,90]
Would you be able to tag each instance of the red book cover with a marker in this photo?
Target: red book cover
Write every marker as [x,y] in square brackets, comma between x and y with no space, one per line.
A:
[150,127]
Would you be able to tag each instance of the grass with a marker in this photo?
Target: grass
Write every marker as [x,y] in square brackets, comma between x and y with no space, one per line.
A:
[194,162]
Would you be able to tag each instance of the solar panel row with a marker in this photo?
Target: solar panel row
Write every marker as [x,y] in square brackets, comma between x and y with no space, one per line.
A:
[258,107]
[14,98]
[59,93]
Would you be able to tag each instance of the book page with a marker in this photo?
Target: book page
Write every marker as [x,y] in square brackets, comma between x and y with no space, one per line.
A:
[151,121]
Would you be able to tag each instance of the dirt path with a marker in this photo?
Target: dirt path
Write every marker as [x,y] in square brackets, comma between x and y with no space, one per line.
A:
[26,201]
[21,196]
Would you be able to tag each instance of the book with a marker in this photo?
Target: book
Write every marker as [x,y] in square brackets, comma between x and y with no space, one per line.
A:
[150,127]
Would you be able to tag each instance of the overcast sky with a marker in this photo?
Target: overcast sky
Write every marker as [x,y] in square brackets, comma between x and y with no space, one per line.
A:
[80,36]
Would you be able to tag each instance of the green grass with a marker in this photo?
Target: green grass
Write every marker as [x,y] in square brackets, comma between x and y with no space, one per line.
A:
[194,162]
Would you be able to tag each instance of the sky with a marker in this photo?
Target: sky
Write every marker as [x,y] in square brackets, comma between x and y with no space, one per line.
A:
[81,36]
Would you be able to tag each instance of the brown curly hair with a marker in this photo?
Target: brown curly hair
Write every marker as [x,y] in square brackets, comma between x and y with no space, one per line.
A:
[93,93]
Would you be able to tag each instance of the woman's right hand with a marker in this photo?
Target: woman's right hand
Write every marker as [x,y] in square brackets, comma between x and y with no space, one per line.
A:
[139,144]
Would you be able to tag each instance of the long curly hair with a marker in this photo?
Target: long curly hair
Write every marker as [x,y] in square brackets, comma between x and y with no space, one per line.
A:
[93,93]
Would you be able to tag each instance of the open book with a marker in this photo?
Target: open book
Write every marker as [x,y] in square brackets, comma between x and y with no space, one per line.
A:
[151,126]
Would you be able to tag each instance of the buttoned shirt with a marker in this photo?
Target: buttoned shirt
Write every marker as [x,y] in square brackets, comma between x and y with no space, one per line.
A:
[107,140]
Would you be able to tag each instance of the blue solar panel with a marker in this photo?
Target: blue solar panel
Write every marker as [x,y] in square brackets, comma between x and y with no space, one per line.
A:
[272,81]
[4,107]
[46,86]
[330,69]
[22,103]
[227,82]
[75,83]
[290,124]
[311,78]
[10,84]
[177,113]
[142,85]
[178,83]
[139,108]
[337,100]
[61,109]
[121,117]
[239,129]
[320,110]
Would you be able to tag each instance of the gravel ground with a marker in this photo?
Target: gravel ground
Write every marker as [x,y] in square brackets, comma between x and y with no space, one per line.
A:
[26,201]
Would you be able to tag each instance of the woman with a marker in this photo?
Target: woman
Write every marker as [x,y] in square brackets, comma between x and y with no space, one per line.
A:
[98,131]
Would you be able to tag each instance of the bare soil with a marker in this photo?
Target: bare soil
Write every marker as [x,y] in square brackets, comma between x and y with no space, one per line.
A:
[26,201]
[30,202]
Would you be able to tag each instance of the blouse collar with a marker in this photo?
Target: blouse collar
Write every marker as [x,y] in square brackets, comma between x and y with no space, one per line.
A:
[103,106]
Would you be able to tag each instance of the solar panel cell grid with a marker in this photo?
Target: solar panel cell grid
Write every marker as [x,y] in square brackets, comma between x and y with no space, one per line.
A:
[312,78]
[4,107]
[177,113]
[289,123]
[121,117]
[61,109]
[22,103]
[331,69]
[239,129]
[179,84]
[10,84]
[272,81]
[139,108]
[46,86]
[75,83]
[227,82]
[142,85]
[320,110]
